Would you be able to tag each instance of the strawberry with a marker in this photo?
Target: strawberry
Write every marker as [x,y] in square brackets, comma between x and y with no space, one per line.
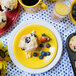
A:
[43,39]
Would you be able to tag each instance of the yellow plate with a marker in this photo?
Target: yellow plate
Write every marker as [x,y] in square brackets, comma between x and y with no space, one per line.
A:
[70,15]
[34,62]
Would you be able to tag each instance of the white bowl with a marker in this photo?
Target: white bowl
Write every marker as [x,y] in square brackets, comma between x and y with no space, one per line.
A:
[54,31]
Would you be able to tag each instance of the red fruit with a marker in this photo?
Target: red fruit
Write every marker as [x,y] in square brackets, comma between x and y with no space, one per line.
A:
[43,39]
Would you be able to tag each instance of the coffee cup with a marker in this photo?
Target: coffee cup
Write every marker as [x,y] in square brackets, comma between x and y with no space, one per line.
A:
[32,6]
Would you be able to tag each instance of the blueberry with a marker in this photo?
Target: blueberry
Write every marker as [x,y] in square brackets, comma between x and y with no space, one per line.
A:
[22,48]
[35,54]
[74,14]
[31,34]
[74,7]
[40,57]
[47,53]
[3,21]
[43,53]
[34,35]
[27,40]
[41,45]
[47,45]
[8,9]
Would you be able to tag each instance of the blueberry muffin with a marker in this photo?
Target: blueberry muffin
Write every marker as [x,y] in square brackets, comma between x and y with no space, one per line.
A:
[72,43]
[3,20]
[9,5]
[28,42]
[0,2]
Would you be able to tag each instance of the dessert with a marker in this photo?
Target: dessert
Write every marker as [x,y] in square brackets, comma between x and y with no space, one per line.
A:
[71,49]
[35,54]
[43,53]
[49,54]
[3,20]
[9,5]
[28,42]
[38,56]
[41,45]
[0,2]
[44,38]
[75,63]
[47,45]
[72,43]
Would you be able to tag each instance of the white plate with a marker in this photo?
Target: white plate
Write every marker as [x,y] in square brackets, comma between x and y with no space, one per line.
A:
[54,31]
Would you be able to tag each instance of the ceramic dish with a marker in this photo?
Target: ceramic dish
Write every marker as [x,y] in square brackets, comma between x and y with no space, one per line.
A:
[72,55]
[70,15]
[11,18]
[25,25]
[35,62]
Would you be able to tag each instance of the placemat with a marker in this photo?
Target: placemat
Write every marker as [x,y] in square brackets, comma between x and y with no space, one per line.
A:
[65,27]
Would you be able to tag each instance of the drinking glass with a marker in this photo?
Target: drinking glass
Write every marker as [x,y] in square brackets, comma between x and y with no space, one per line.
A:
[61,10]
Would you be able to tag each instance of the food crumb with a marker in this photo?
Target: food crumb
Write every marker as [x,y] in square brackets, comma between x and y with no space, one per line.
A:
[28,55]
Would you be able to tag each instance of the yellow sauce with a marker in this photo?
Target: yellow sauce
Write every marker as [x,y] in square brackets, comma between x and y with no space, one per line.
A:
[34,62]
[61,8]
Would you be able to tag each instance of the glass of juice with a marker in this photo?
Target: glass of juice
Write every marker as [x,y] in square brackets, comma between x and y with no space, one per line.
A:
[61,10]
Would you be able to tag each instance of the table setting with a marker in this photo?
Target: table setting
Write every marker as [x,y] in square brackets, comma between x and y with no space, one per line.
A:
[42,20]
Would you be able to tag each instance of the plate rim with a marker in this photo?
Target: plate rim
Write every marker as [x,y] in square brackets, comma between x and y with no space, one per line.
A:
[30,22]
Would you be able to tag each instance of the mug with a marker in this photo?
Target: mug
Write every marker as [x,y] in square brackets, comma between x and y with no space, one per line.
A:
[34,8]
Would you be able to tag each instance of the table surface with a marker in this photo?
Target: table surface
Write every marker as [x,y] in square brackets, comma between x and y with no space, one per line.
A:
[65,27]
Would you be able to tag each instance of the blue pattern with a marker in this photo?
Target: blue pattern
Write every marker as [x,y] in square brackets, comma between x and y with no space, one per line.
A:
[65,27]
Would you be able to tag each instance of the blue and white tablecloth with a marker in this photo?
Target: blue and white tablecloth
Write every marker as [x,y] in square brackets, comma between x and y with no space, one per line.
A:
[65,27]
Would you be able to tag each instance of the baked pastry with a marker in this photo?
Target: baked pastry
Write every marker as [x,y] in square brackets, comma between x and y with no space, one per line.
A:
[9,5]
[0,2]
[72,43]
[3,20]
[28,42]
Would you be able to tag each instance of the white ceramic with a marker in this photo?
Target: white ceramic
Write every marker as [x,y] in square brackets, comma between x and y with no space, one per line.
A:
[54,31]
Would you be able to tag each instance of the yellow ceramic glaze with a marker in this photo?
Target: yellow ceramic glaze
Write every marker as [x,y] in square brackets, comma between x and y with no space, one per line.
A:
[34,62]
[70,15]
[34,8]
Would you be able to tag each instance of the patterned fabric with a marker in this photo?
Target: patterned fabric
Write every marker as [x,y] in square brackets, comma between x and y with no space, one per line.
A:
[64,27]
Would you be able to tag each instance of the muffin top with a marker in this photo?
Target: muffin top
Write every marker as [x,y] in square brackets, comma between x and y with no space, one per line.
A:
[8,5]
[3,20]
[72,43]
[28,42]
[2,16]
[0,2]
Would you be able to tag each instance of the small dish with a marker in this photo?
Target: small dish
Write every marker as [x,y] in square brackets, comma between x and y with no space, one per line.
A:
[70,15]
[35,62]
[11,18]
[46,25]
[72,54]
